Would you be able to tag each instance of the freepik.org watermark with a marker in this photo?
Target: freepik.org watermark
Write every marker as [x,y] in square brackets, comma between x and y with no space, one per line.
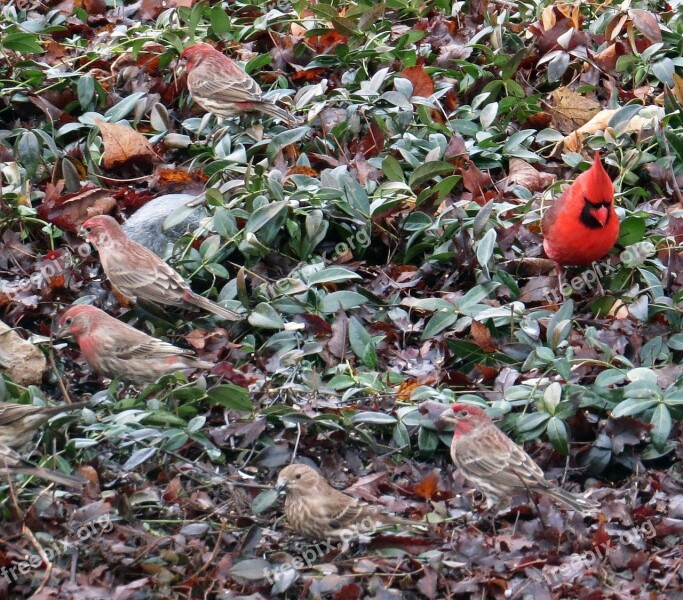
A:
[32,562]
[633,256]
[358,241]
[585,560]
[312,554]
[55,267]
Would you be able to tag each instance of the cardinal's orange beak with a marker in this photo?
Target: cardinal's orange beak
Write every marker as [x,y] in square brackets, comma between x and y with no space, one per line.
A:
[601,215]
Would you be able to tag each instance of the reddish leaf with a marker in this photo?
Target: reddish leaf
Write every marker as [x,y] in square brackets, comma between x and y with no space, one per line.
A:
[428,487]
[422,82]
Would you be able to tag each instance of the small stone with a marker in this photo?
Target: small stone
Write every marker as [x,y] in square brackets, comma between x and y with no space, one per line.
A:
[20,360]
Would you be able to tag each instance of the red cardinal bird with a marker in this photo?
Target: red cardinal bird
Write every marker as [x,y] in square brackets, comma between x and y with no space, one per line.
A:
[581,226]
[221,87]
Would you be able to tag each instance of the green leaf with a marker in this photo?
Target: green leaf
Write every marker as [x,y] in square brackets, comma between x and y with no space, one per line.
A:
[120,110]
[361,343]
[633,406]
[560,325]
[429,171]
[661,421]
[439,322]
[332,275]
[531,421]
[610,377]
[375,418]
[24,43]
[264,316]
[220,22]
[86,91]
[230,396]
[342,300]
[392,169]
[485,250]
[264,501]
[286,138]
[558,436]
[631,230]
[264,215]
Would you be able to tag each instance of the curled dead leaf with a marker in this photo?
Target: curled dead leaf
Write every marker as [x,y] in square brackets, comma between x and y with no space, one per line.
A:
[123,145]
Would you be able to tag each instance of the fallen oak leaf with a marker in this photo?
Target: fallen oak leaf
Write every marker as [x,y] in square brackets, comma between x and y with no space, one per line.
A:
[123,145]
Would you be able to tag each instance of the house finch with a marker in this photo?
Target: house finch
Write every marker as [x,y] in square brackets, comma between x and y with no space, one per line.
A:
[136,272]
[18,422]
[11,463]
[219,86]
[494,464]
[317,511]
[581,226]
[115,349]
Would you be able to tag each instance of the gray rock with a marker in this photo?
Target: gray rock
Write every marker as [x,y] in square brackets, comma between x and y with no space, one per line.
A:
[146,226]
[20,360]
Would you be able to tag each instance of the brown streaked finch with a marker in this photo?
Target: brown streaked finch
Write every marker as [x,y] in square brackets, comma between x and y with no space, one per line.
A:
[137,273]
[18,422]
[317,511]
[115,349]
[221,87]
[495,465]
[11,463]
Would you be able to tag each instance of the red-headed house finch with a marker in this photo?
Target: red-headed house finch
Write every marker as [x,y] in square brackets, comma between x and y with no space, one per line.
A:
[11,463]
[495,465]
[221,87]
[115,349]
[317,511]
[137,272]
[18,422]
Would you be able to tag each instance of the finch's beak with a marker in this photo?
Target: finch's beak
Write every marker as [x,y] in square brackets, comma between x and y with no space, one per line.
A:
[82,233]
[281,486]
[61,333]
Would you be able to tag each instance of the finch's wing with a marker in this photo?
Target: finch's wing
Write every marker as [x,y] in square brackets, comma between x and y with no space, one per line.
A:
[504,461]
[223,88]
[12,413]
[146,347]
[345,512]
[9,458]
[147,276]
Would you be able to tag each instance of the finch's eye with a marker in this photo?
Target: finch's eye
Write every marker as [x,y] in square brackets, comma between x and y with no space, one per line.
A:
[68,321]
[88,229]
[463,413]
[298,476]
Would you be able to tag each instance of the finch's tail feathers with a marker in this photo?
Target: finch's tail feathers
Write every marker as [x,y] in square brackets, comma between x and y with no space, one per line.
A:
[577,503]
[279,113]
[212,307]
[54,476]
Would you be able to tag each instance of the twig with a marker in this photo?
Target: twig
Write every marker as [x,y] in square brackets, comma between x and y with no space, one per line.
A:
[36,544]
[670,164]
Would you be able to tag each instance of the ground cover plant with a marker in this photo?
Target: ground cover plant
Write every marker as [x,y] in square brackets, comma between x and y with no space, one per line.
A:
[384,250]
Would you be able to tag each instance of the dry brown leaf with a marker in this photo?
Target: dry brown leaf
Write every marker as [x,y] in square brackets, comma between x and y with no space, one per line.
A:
[482,337]
[422,82]
[548,18]
[406,389]
[678,87]
[570,110]
[123,144]
[68,211]
[522,173]
[573,142]
[428,487]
